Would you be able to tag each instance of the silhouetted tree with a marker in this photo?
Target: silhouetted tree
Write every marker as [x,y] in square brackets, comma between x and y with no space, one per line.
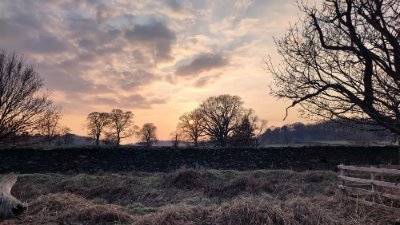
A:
[176,138]
[260,125]
[148,134]
[243,135]
[121,124]
[109,138]
[222,114]
[48,124]
[21,102]
[96,123]
[343,61]
[248,132]
[192,126]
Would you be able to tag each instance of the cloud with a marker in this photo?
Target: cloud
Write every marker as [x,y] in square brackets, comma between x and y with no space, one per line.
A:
[98,55]
[202,63]
[131,80]
[203,81]
[69,82]
[174,4]
[155,35]
[243,4]
[47,43]
[24,32]
[137,101]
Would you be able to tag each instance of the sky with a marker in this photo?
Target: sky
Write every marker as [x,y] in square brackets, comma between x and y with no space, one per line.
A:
[157,59]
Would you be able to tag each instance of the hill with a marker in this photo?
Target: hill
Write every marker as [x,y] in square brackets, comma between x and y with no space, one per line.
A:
[327,133]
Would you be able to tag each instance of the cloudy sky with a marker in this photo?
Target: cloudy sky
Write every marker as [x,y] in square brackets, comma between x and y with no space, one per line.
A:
[158,59]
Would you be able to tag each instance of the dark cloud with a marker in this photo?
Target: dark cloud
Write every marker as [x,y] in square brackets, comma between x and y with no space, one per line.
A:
[155,35]
[87,43]
[70,84]
[138,57]
[138,101]
[203,81]
[24,33]
[26,20]
[174,4]
[201,64]
[68,81]
[8,30]
[131,80]
[103,101]
[46,43]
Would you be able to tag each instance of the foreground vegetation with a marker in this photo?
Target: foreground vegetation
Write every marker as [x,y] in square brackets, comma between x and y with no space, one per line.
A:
[191,197]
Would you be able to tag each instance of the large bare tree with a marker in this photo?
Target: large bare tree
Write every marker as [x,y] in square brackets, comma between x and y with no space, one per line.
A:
[96,123]
[222,114]
[121,123]
[48,123]
[148,134]
[191,126]
[21,100]
[343,61]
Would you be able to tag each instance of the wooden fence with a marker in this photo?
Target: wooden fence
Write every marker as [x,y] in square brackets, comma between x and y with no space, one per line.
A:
[368,185]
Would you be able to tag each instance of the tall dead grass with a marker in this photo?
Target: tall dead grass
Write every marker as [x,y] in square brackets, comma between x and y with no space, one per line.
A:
[65,208]
[193,197]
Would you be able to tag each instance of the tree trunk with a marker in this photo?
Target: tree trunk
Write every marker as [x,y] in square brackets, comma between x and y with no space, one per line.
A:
[222,142]
[97,139]
[118,139]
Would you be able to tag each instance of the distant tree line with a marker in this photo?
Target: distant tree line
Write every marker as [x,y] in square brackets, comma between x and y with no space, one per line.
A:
[328,132]
[116,125]
[221,120]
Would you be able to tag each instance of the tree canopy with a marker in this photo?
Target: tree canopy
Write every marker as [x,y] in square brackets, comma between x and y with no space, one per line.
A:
[21,99]
[342,61]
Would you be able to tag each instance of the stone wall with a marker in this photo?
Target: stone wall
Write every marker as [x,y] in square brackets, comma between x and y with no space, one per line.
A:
[90,160]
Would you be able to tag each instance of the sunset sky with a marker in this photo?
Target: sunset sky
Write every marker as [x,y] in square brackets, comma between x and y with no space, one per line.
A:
[158,59]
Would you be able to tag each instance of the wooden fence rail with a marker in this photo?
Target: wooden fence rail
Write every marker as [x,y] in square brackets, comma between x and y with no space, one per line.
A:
[374,191]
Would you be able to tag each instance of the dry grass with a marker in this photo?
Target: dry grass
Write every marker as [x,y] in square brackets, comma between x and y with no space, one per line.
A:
[65,208]
[237,212]
[192,197]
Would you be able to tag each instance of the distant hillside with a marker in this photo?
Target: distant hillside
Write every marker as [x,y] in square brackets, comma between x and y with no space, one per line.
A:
[326,133]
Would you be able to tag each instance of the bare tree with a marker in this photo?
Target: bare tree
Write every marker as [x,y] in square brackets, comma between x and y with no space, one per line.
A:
[343,61]
[21,101]
[48,123]
[96,123]
[109,138]
[248,132]
[260,126]
[148,134]
[121,123]
[175,138]
[222,114]
[191,126]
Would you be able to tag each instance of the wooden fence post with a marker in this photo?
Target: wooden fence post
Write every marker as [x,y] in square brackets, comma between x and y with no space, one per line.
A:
[372,185]
[342,173]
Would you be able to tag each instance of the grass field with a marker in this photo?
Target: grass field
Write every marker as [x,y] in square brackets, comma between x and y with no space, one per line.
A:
[191,197]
